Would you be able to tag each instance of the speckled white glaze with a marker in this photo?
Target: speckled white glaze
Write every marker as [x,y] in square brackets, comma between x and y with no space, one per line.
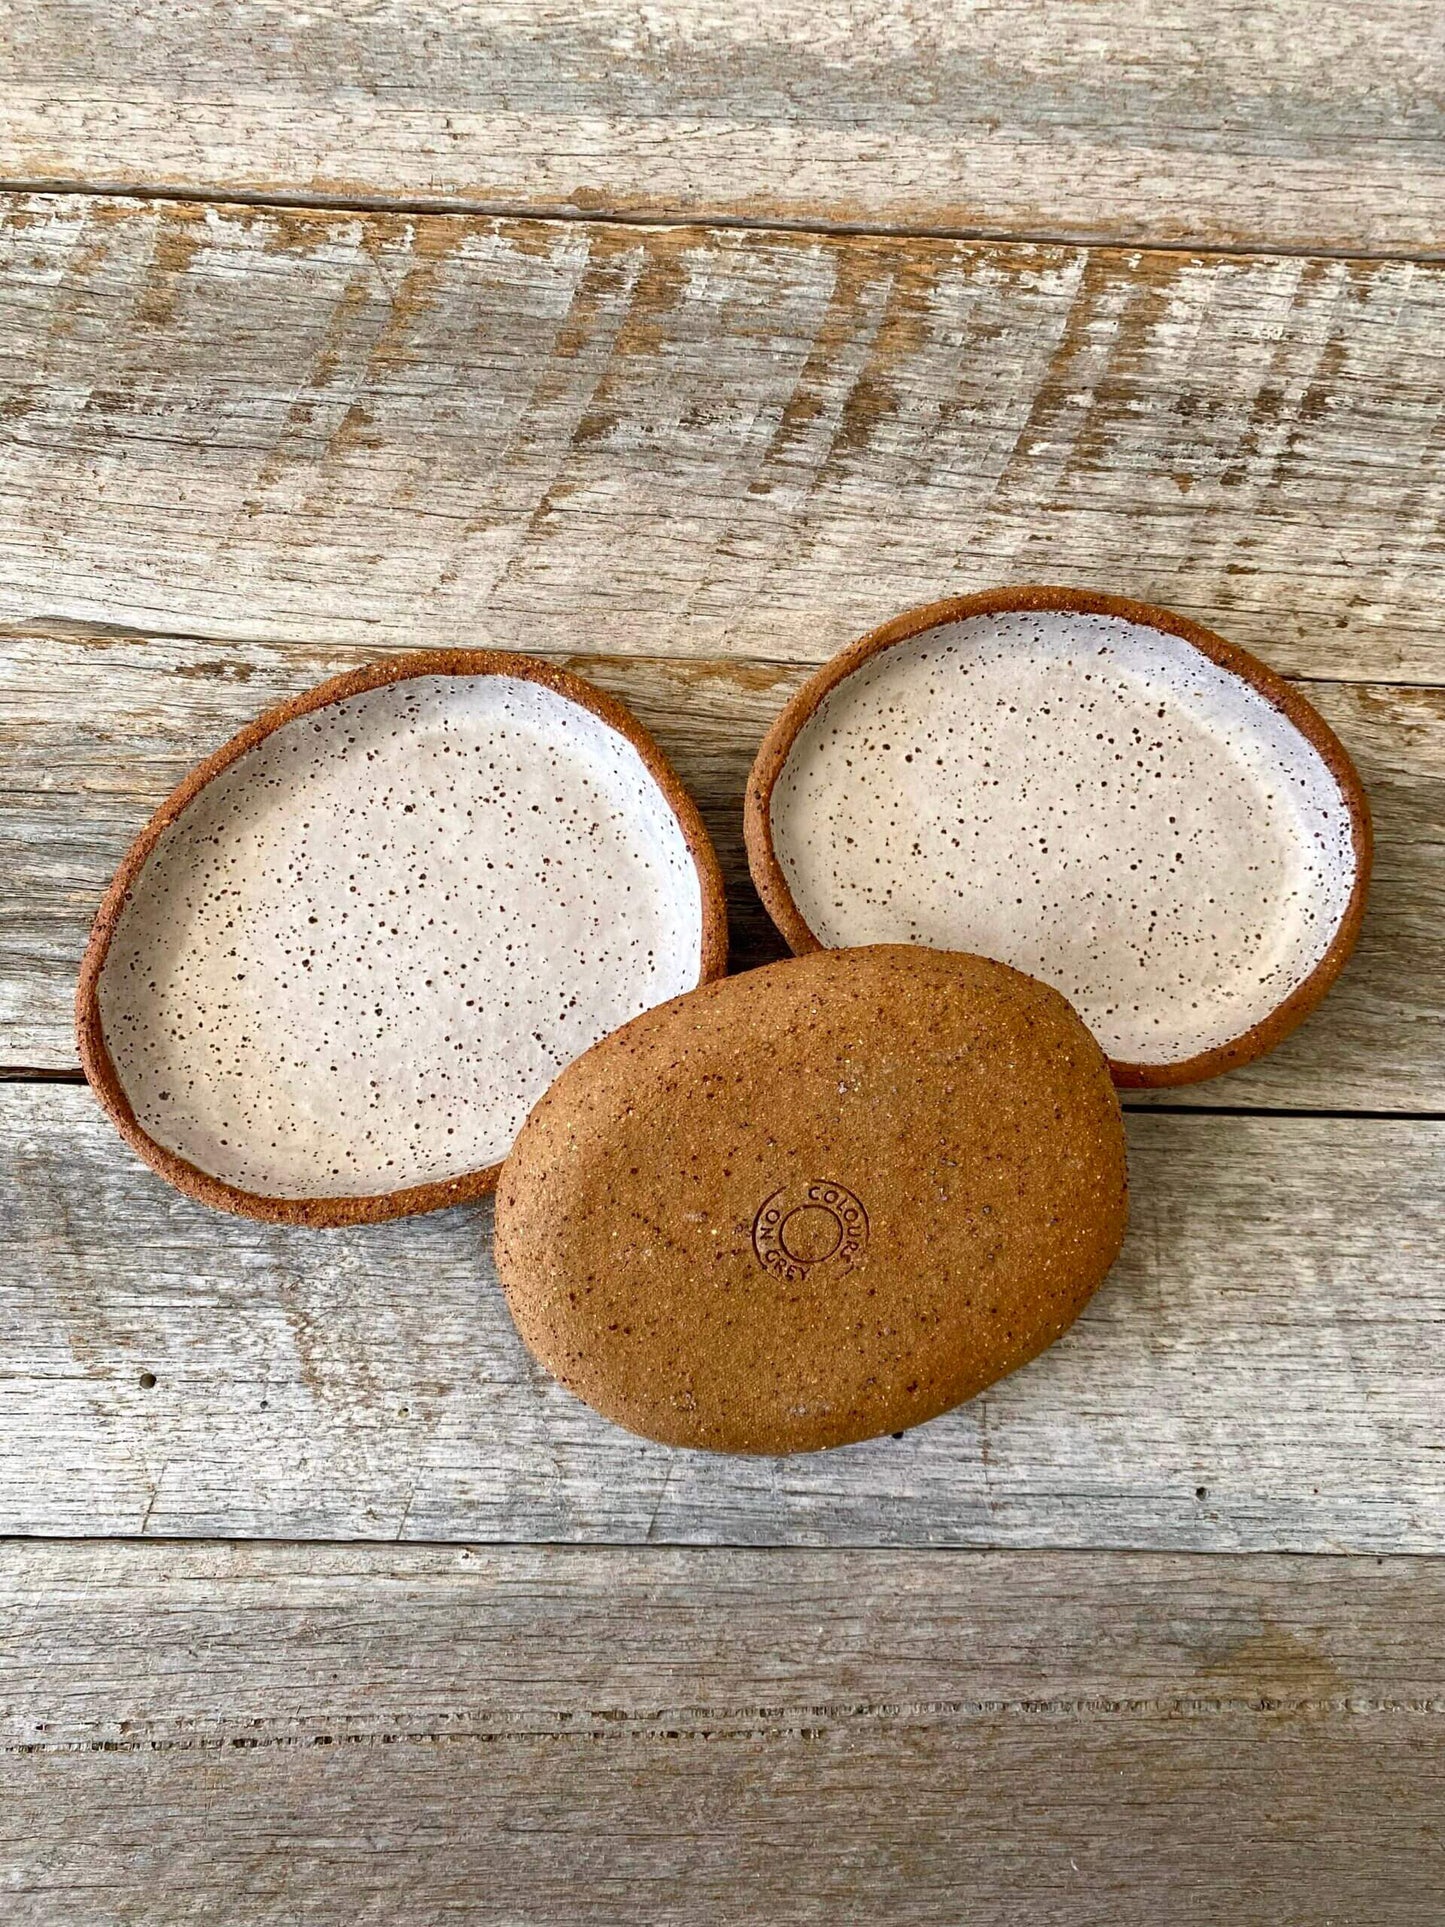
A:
[1089,799]
[365,949]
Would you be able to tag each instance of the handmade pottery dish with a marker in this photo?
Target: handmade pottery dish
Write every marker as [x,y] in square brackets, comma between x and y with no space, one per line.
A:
[348,954]
[1102,793]
[823,1200]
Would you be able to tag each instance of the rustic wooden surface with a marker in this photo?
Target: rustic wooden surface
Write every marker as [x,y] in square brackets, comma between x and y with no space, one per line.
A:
[262,424]
[659,1735]
[684,344]
[1262,1370]
[1310,125]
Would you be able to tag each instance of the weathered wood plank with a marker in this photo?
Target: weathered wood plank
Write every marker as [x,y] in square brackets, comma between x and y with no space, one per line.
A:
[185,1644]
[267,424]
[96,730]
[1141,1823]
[1264,1370]
[665,1735]
[1293,123]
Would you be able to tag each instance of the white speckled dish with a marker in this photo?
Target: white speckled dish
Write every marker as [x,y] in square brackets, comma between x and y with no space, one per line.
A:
[347,956]
[1098,792]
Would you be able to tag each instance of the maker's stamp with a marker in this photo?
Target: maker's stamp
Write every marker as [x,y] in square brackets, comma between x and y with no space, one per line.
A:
[814,1225]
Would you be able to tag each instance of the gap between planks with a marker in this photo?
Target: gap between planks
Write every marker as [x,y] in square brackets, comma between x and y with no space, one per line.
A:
[462,206]
[65,1543]
[1128,1102]
[945,1633]
[84,632]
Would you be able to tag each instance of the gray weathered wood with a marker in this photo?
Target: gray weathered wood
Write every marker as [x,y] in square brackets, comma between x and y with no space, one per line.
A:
[405,1734]
[1297,123]
[1138,1822]
[1264,1370]
[175,1644]
[96,730]
[276,424]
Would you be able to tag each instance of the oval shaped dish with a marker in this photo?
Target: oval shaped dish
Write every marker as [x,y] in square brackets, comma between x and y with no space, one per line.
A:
[1101,793]
[349,953]
[816,1202]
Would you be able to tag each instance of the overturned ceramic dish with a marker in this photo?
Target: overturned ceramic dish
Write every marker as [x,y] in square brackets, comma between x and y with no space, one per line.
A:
[815,1202]
[350,952]
[1101,793]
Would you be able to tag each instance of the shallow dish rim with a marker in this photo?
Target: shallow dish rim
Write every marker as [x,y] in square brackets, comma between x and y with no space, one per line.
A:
[776,746]
[372,1208]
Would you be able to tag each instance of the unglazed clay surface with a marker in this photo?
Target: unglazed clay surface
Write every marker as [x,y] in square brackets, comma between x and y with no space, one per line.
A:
[815,1202]
[367,947]
[1089,799]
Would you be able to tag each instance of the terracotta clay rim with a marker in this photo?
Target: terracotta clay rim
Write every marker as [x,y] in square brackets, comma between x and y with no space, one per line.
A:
[776,746]
[95,1057]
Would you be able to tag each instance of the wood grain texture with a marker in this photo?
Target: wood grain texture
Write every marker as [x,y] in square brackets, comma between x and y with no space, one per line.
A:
[411,1734]
[1295,123]
[263,425]
[243,447]
[129,1644]
[1263,1370]
[96,730]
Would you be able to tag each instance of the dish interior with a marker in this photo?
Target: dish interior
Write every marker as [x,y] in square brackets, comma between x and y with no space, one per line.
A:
[364,950]
[1086,798]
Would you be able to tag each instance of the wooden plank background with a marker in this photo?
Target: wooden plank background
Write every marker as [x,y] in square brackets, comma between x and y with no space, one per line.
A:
[682,345]
[1262,1370]
[262,424]
[1308,123]
[662,1736]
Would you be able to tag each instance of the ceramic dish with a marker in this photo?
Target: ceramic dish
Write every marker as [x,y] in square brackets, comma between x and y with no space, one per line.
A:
[817,1202]
[1101,793]
[350,952]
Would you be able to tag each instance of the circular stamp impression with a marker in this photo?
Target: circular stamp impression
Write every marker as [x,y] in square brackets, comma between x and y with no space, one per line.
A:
[816,1224]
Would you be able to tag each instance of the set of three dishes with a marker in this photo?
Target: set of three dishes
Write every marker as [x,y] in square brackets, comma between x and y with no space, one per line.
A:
[451,924]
